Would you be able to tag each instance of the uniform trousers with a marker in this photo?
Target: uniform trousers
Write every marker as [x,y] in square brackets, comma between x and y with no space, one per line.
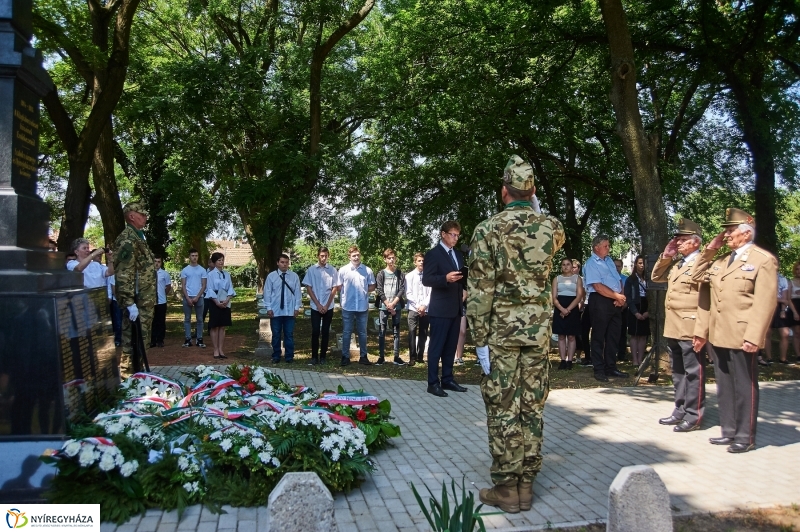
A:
[159,323]
[688,379]
[606,326]
[417,335]
[514,395]
[737,393]
[320,327]
[127,365]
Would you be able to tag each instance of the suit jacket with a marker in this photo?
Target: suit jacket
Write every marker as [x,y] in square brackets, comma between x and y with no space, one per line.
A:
[445,299]
[687,300]
[743,297]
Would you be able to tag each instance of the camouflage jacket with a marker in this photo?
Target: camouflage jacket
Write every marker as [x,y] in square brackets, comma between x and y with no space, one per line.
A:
[135,273]
[509,277]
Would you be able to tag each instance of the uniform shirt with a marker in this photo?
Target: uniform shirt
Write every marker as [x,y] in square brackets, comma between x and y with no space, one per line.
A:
[162,282]
[603,271]
[274,286]
[194,276]
[355,282]
[221,280]
[509,277]
[417,293]
[94,275]
[322,280]
[687,301]
[134,269]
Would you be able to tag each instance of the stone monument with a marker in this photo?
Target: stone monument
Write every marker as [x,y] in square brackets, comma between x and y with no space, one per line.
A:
[57,357]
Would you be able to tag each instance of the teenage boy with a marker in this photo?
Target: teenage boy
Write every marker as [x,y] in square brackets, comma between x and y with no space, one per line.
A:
[284,302]
[418,296]
[390,286]
[193,286]
[356,281]
[322,283]
[163,289]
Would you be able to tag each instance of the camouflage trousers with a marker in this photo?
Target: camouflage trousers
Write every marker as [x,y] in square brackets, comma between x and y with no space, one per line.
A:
[514,395]
[126,364]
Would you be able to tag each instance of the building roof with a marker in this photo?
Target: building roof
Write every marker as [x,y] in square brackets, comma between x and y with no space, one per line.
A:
[237,253]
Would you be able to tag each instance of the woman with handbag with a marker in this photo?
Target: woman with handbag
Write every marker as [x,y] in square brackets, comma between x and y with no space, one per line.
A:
[221,291]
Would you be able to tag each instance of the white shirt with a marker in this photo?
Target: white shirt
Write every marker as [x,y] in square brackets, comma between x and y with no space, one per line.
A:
[355,283]
[194,276]
[321,280]
[292,298]
[162,282]
[111,281]
[416,292]
[219,280]
[94,275]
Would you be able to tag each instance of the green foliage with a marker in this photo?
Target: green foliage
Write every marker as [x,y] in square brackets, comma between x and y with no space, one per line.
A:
[245,276]
[465,517]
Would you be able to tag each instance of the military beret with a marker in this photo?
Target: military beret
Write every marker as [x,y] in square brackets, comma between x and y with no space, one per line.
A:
[688,227]
[735,216]
[134,206]
[518,174]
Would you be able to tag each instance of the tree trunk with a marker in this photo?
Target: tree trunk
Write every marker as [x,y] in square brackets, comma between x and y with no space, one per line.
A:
[76,203]
[106,194]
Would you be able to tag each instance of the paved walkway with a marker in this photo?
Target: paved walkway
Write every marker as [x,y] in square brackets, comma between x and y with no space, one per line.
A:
[589,435]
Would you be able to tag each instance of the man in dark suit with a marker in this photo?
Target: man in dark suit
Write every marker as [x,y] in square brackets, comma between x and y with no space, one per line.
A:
[443,276]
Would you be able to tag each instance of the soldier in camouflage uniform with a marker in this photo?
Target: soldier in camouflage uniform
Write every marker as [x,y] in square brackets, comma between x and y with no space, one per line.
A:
[136,281]
[509,311]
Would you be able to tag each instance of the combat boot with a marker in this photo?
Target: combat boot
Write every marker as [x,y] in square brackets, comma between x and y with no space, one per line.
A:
[503,497]
[525,491]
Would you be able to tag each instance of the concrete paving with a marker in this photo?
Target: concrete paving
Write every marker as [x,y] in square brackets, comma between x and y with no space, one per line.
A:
[589,435]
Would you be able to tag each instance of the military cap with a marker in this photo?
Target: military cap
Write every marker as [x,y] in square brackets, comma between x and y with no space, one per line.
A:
[688,227]
[737,216]
[134,206]
[518,174]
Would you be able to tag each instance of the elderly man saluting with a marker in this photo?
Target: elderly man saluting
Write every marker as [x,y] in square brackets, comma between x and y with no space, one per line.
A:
[687,302]
[744,286]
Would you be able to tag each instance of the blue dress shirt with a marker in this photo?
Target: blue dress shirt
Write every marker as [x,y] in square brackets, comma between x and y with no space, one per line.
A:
[603,271]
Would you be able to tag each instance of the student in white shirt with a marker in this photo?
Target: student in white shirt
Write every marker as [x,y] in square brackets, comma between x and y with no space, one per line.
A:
[193,286]
[163,289]
[418,296]
[283,302]
[220,288]
[322,283]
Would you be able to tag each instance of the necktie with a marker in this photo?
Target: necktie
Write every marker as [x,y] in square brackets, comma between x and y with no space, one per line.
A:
[733,257]
[453,258]
[283,284]
[681,263]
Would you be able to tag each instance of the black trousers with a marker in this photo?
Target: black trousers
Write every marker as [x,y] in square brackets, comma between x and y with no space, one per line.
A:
[206,308]
[159,329]
[688,379]
[417,335]
[606,327]
[737,393]
[323,322]
[622,347]
[586,327]
[444,341]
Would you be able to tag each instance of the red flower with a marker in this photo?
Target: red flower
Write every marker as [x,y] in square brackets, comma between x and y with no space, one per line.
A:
[361,415]
[373,409]
[251,387]
[243,380]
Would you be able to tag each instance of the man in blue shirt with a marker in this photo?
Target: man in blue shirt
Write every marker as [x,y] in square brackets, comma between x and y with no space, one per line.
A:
[606,302]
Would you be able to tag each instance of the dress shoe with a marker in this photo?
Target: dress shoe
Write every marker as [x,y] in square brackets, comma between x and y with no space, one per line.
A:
[741,447]
[586,362]
[671,420]
[454,386]
[685,426]
[601,378]
[436,390]
[345,361]
[504,497]
[616,373]
[411,363]
[720,441]
[525,492]
[365,362]
[569,364]
[563,365]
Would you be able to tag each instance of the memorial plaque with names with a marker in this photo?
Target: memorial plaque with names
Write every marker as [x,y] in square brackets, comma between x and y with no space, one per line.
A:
[25,139]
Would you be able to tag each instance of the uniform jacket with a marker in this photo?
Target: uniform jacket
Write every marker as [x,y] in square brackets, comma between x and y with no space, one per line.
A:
[687,300]
[742,297]
[446,297]
[509,277]
[134,269]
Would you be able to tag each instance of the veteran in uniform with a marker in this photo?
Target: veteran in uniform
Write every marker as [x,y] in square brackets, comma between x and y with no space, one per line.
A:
[509,312]
[687,300]
[744,287]
[136,279]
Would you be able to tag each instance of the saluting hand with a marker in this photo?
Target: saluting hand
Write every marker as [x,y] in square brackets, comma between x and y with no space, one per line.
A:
[717,242]
[672,248]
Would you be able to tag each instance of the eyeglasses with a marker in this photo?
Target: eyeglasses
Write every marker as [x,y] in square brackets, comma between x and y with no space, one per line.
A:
[454,235]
